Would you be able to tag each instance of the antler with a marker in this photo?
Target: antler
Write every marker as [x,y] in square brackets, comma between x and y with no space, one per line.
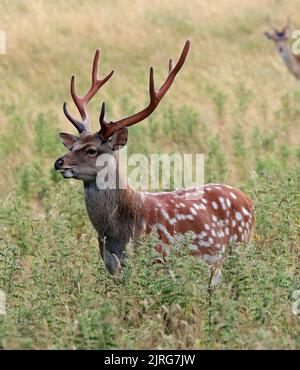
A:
[288,23]
[82,102]
[271,25]
[107,129]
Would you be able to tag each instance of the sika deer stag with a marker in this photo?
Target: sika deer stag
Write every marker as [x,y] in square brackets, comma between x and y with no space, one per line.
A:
[219,216]
[281,40]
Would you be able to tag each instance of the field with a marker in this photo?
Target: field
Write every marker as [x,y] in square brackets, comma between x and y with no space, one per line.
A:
[234,101]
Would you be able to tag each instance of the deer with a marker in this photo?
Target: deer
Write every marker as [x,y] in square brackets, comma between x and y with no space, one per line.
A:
[220,216]
[281,40]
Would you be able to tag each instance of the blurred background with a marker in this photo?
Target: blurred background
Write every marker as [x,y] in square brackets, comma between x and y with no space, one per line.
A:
[233,100]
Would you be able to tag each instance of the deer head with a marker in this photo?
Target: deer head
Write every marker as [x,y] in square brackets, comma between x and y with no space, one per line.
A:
[81,160]
[280,38]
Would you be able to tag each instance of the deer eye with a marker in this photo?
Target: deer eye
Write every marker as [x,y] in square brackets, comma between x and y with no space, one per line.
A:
[91,152]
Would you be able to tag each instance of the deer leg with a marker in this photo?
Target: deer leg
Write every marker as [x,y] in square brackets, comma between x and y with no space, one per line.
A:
[112,253]
[216,276]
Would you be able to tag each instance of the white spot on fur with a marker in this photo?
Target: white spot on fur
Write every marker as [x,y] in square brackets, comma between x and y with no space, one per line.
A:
[238,216]
[189,217]
[199,206]
[215,205]
[214,218]
[202,235]
[162,228]
[220,234]
[223,204]
[203,243]
[165,214]
[233,195]
[193,211]
[245,211]
[181,217]
[172,221]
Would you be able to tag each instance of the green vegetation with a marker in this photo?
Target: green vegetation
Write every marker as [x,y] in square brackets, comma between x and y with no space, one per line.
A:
[241,109]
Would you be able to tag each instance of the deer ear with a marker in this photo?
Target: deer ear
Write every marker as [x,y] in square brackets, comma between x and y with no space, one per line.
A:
[269,35]
[68,140]
[119,138]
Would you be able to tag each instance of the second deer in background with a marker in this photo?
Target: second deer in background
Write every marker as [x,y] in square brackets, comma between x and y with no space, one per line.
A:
[281,40]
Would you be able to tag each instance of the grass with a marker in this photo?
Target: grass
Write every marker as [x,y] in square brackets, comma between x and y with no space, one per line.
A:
[240,108]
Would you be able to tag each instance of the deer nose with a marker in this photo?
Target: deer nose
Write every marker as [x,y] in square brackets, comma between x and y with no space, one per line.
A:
[58,164]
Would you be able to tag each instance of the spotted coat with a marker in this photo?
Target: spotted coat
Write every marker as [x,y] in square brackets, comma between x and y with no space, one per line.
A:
[215,214]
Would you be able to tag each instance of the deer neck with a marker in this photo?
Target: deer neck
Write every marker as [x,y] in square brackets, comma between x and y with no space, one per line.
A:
[115,213]
[290,60]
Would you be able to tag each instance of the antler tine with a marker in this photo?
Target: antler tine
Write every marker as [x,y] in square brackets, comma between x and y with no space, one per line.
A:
[101,117]
[152,92]
[167,84]
[155,97]
[271,25]
[79,125]
[82,102]
[288,23]
[170,65]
